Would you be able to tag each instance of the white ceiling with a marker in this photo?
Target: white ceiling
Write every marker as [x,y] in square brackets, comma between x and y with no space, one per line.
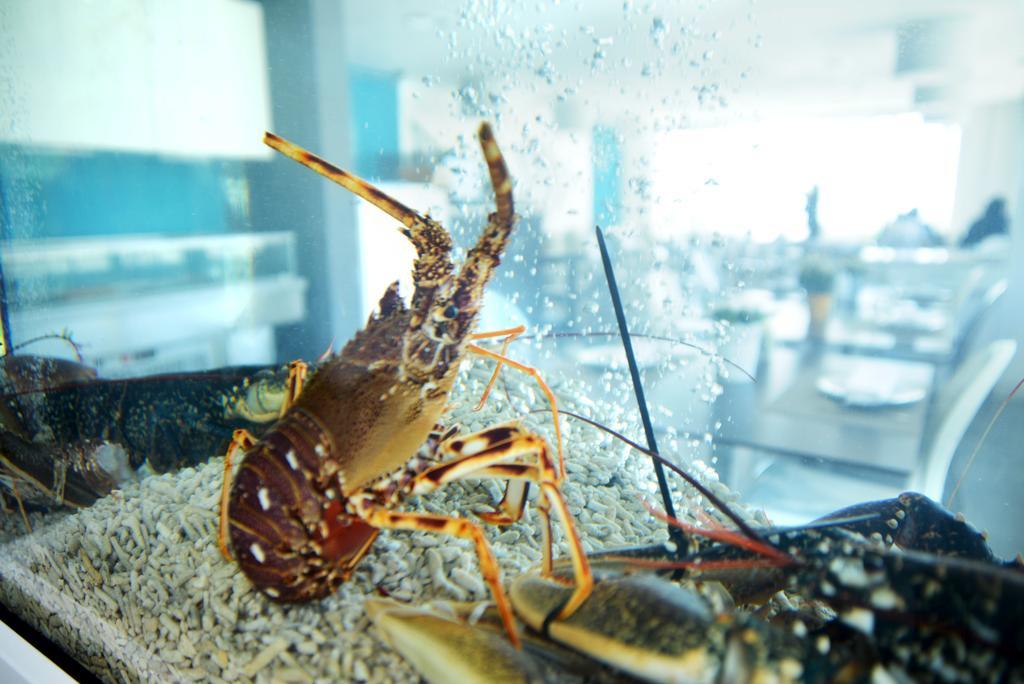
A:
[792,56]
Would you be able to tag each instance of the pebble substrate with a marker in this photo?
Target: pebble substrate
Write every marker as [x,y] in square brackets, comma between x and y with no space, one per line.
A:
[135,587]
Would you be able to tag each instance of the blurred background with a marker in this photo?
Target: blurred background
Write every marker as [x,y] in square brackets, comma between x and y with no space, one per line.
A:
[826,200]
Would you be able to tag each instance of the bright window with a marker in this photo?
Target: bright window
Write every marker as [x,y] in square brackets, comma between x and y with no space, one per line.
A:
[755,178]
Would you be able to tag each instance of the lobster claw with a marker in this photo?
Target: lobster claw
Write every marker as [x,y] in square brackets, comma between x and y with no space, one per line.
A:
[443,647]
[657,631]
[666,643]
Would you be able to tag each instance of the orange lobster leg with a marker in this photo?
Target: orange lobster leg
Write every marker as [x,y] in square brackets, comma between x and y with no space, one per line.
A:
[511,334]
[242,439]
[486,454]
[297,371]
[513,503]
[21,504]
[383,518]
[531,371]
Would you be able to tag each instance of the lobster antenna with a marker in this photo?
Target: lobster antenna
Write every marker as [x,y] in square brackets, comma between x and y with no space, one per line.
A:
[500,179]
[352,183]
[5,321]
[659,338]
[634,373]
[63,335]
[717,502]
[981,442]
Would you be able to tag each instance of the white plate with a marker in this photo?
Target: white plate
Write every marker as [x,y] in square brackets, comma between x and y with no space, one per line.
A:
[862,397]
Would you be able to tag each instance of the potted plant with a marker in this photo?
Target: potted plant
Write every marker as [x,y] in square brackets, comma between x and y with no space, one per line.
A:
[816,278]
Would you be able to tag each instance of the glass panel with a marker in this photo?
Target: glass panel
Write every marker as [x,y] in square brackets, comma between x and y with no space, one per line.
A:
[812,214]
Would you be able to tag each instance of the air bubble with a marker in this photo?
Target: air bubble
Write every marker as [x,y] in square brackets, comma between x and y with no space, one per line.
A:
[658,30]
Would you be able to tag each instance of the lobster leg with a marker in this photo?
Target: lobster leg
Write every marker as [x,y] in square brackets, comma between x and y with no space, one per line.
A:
[21,505]
[297,371]
[510,508]
[485,455]
[511,334]
[242,439]
[351,563]
[502,358]
[383,518]
[532,372]
[512,504]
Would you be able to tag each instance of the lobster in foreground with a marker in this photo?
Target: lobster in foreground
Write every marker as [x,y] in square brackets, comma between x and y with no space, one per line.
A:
[362,433]
[906,586]
[937,607]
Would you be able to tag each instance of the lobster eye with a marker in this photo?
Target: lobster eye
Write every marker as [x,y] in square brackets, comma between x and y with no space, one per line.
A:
[451,311]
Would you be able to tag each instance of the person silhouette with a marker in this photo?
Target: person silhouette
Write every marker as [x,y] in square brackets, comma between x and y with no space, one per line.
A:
[992,222]
[813,227]
[908,230]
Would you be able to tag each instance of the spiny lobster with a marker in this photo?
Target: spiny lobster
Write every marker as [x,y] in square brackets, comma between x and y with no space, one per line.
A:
[362,433]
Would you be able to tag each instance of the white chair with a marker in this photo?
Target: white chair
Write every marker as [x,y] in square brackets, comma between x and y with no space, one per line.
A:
[956,404]
[973,311]
[793,492]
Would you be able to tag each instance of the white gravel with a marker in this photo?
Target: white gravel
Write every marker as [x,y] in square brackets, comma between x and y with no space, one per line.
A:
[136,589]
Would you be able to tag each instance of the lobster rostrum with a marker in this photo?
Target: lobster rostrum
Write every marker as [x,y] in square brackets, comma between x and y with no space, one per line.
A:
[363,431]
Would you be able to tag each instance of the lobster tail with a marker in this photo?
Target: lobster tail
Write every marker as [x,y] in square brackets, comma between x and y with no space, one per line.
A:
[289,533]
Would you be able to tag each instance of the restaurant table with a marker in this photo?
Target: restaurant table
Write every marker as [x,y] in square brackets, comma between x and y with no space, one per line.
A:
[877,425]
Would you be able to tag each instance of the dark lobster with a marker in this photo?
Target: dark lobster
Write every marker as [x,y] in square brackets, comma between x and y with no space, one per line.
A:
[68,438]
[899,584]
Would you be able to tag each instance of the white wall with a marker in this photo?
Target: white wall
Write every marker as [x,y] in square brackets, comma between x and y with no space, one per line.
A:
[178,78]
[992,163]
[1010,323]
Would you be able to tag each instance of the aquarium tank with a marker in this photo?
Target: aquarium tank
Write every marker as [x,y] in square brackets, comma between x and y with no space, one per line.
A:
[511,341]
